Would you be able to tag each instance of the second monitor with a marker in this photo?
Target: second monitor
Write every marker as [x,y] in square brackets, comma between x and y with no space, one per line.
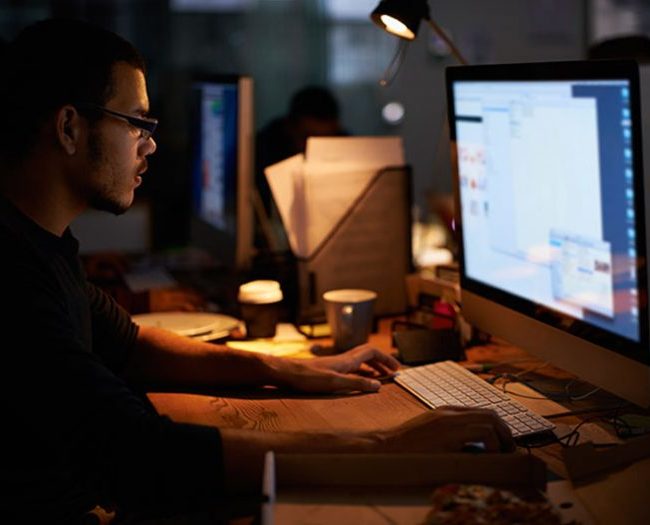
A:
[222,168]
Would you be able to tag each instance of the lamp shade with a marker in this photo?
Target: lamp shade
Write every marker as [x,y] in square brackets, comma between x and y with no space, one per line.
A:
[401,17]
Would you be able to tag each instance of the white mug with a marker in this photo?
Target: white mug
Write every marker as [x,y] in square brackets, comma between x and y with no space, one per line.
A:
[349,315]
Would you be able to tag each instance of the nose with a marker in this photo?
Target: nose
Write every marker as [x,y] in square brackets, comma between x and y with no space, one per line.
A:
[149,146]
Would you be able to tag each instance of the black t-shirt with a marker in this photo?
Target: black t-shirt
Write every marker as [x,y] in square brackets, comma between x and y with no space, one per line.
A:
[74,433]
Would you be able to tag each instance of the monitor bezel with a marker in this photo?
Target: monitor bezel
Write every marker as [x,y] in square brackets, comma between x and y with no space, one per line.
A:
[563,71]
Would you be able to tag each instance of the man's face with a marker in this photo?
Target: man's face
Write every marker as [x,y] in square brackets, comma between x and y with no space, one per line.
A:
[116,150]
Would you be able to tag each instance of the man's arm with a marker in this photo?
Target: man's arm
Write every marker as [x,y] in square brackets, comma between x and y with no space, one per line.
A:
[163,357]
[447,429]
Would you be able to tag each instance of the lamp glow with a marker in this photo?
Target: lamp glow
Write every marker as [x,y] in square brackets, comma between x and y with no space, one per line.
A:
[392,25]
[402,18]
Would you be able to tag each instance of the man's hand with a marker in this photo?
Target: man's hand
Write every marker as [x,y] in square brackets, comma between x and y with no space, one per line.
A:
[448,429]
[354,370]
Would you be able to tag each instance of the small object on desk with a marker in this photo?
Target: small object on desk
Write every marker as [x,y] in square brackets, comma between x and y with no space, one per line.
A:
[271,347]
[474,447]
[315,331]
[421,346]
[260,307]
[286,342]
[287,332]
[203,326]
[463,503]
[349,314]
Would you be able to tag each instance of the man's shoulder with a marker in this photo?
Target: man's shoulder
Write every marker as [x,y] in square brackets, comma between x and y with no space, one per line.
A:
[15,245]
[22,265]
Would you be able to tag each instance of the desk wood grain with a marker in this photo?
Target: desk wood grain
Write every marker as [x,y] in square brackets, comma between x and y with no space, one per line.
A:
[274,410]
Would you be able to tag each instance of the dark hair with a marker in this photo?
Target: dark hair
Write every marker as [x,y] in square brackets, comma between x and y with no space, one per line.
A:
[314,101]
[635,47]
[52,63]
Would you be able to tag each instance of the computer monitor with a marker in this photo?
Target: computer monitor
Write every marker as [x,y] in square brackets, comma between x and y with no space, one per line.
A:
[551,214]
[222,168]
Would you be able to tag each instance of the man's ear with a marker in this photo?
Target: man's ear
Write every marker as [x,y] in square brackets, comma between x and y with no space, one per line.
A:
[68,129]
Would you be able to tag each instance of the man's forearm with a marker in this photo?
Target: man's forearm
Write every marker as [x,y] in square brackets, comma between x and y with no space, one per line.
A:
[163,357]
[441,430]
[243,451]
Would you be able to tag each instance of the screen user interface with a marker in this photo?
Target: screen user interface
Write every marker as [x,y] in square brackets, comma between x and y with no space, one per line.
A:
[547,195]
[215,157]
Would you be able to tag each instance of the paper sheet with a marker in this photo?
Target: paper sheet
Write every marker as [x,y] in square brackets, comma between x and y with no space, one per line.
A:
[372,152]
[287,341]
[314,193]
[330,194]
[286,182]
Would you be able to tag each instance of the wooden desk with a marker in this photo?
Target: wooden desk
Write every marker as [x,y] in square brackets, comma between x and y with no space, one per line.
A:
[274,410]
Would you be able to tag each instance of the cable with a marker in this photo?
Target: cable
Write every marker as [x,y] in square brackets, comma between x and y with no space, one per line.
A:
[487,367]
[516,378]
[531,369]
[573,437]
[580,397]
[586,411]
[395,64]
[450,44]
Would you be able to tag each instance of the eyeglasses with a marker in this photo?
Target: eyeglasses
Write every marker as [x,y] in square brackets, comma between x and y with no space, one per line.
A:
[146,125]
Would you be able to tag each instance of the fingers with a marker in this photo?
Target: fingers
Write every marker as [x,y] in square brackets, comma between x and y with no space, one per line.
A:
[353,383]
[505,436]
[374,357]
[465,425]
[484,434]
[483,425]
[356,359]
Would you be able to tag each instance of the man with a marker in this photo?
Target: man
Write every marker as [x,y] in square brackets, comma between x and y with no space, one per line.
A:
[78,433]
[313,112]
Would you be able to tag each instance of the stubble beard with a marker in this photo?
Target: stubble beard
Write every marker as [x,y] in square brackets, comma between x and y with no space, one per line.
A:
[103,196]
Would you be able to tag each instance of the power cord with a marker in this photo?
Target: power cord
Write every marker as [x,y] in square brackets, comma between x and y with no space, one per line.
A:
[621,428]
[517,378]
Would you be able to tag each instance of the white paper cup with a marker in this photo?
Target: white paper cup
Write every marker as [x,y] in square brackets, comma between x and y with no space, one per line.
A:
[259,302]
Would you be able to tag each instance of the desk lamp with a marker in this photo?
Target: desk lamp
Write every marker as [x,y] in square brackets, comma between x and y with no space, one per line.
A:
[402,18]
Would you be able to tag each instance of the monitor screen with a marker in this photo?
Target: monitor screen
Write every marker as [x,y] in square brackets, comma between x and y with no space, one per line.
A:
[221,168]
[550,196]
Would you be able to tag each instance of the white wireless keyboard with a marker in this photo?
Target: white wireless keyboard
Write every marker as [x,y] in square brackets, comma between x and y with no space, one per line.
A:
[448,384]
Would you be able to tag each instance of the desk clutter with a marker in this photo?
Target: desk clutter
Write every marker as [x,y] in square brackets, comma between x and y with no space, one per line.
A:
[203,326]
[401,489]
[345,206]
[458,488]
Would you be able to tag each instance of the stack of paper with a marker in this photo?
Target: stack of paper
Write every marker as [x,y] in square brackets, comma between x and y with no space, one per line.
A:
[313,192]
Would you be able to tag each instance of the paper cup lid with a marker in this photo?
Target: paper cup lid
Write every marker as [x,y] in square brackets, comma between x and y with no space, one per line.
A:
[349,296]
[260,292]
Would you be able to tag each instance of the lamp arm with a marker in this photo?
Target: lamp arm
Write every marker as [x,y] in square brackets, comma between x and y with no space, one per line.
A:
[395,64]
[452,47]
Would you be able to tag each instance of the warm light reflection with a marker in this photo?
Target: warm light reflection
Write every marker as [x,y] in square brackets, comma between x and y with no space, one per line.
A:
[396,27]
